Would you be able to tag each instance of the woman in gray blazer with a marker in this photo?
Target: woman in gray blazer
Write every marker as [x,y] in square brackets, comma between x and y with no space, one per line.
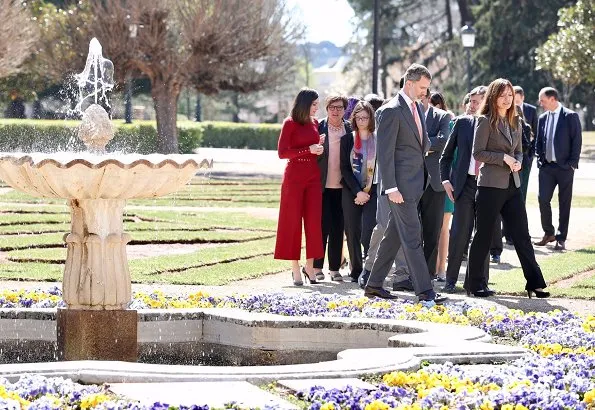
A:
[497,145]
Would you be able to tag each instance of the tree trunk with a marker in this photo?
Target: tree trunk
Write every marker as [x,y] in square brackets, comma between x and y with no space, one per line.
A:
[165,99]
[448,20]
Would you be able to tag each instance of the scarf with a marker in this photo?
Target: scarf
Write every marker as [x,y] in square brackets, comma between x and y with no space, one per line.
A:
[357,157]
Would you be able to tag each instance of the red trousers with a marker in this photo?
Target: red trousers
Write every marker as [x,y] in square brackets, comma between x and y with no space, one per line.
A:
[301,199]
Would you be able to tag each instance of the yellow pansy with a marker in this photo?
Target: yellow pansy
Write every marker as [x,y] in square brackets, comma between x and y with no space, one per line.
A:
[93,400]
[377,405]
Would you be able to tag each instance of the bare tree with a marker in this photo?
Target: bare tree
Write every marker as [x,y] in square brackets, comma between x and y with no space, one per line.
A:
[17,36]
[207,44]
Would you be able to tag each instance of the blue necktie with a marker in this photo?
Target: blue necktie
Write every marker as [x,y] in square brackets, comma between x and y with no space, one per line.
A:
[549,147]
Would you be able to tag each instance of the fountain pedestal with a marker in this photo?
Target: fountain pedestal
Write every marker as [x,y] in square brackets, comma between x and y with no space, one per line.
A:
[96,274]
[97,334]
[96,287]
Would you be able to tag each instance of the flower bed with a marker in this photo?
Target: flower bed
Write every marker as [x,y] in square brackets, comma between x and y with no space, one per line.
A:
[560,375]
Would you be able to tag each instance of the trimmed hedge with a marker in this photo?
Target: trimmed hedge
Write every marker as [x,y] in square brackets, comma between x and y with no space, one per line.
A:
[140,137]
[234,135]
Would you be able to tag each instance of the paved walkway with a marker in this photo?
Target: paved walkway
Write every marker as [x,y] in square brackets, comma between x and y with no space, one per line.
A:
[265,164]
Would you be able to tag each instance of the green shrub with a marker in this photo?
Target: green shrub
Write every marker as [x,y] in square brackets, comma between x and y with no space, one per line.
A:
[139,137]
[232,135]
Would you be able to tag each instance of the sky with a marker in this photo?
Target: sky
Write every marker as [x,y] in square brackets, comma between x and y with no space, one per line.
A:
[325,19]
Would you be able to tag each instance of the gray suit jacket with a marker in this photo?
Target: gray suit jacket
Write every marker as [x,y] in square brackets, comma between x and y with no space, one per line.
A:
[437,123]
[400,151]
[489,147]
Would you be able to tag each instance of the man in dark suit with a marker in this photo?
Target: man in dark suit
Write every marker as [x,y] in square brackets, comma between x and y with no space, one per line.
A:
[460,183]
[558,148]
[530,114]
[431,205]
[402,145]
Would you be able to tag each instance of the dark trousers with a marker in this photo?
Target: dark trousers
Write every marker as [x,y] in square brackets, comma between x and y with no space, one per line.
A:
[524,175]
[431,209]
[550,176]
[509,203]
[403,229]
[332,228]
[359,224]
[460,232]
[496,246]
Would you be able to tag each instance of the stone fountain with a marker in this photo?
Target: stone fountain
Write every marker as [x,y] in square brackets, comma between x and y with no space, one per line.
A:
[96,323]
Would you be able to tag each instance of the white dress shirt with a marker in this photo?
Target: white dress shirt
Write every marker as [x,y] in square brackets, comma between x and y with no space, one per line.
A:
[552,115]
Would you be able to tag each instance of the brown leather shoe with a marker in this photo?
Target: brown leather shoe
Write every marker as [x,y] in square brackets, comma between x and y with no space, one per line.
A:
[545,240]
[560,246]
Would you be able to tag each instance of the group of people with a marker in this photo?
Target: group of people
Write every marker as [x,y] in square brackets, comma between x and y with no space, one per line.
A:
[390,174]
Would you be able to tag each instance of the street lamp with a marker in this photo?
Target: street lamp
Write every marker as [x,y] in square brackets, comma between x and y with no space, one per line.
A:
[468,39]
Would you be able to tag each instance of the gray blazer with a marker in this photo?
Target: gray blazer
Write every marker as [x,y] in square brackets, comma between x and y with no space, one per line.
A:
[489,147]
[400,151]
[437,124]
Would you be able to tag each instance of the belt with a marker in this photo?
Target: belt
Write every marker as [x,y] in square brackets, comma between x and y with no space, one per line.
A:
[302,160]
[472,176]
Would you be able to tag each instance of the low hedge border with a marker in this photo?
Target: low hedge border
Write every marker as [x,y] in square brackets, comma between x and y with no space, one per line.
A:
[139,137]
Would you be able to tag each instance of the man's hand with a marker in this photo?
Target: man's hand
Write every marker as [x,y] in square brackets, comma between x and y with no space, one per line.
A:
[316,149]
[516,166]
[361,198]
[395,197]
[449,190]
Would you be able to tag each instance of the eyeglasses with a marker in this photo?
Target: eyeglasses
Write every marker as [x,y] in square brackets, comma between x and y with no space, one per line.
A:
[361,118]
[335,108]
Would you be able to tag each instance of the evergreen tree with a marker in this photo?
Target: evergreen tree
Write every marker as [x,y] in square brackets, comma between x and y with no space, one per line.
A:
[508,34]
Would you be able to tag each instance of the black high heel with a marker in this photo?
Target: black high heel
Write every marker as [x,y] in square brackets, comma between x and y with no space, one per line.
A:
[539,293]
[307,277]
[297,282]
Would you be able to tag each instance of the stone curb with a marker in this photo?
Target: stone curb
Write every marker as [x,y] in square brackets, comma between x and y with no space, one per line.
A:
[413,343]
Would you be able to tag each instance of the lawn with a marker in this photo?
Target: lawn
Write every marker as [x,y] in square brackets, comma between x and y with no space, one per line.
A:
[227,246]
[556,269]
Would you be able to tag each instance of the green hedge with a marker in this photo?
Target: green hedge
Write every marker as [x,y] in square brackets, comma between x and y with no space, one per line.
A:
[233,135]
[141,136]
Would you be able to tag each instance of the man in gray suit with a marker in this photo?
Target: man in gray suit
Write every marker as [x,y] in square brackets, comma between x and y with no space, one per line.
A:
[431,205]
[402,146]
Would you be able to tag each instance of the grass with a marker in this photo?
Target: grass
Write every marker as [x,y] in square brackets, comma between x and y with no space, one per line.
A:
[555,268]
[237,245]
[201,192]
[577,201]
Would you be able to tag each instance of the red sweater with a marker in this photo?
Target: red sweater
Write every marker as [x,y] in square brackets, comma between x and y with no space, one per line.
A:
[295,139]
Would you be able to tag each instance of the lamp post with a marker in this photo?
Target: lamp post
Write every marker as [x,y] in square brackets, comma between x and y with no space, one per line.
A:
[375,47]
[468,40]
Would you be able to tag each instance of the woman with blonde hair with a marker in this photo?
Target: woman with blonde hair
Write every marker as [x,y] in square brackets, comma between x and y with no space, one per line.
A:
[497,145]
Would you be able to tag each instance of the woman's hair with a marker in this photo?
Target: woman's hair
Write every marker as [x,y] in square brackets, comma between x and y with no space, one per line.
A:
[374,100]
[300,112]
[335,97]
[363,106]
[488,106]
[437,100]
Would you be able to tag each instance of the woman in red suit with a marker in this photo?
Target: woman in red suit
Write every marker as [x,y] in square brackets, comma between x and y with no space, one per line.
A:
[301,190]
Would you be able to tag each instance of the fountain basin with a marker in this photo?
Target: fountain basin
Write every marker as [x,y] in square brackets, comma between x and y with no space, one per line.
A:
[87,176]
[250,346]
